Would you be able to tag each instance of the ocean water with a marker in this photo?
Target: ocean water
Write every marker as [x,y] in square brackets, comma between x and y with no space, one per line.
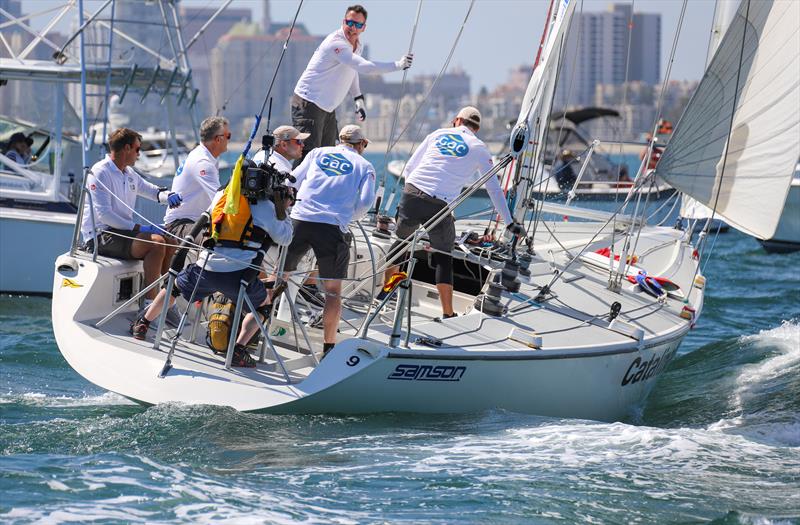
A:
[717,442]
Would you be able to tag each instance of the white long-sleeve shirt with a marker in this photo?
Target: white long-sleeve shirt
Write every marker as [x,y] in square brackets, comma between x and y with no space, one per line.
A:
[446,161]
[113,197]
[280,162]
[197,181]
[336,185]
[333,71]
[225,259]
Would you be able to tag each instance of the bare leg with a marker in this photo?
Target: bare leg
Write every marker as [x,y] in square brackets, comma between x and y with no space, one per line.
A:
[446,297]
[249,325]
[155,307]
[332,311]
[152,256]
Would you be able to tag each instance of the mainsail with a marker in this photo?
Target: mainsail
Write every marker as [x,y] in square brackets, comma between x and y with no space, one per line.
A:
[734,150]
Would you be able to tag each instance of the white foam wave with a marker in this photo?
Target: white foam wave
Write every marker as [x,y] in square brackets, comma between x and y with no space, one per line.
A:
[62,401]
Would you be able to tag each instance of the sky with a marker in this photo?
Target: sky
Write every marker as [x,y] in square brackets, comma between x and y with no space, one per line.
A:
[498,36]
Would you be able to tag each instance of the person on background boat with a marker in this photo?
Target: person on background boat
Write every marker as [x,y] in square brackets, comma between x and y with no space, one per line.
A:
[434,176]
[288,148]
[655,154]
[565,175]
[197,179]
[19,148]
[108,216]
[330,75]
[240,240]
[336,185]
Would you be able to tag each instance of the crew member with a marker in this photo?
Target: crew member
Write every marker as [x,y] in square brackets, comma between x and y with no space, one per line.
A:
[655,152]
[288,147]
[19,148]
[197,179]
[336,186]
[331,73]
[434,176]
[240,240]
[108,215]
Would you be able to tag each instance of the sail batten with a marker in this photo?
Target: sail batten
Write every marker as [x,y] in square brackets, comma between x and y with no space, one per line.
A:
[735,150]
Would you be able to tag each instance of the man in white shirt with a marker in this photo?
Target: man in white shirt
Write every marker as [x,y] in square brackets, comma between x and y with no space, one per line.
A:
[197,179]
[336,185]
[108,220]
[434,176]
[19,148]
[331,73]
[288,147]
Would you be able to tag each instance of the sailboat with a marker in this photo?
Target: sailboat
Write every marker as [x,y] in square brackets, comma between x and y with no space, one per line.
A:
[579,319]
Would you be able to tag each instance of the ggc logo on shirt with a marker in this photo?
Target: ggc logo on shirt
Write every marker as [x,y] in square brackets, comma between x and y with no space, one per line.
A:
[452,145]
[335,164]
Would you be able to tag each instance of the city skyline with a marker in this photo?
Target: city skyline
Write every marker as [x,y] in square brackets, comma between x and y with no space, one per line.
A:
[488,60]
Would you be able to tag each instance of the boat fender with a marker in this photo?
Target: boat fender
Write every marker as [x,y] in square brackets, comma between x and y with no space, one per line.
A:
[699,282]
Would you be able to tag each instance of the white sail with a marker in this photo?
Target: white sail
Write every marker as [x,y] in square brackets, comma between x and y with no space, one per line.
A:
[748,181]
[538,100]
[724,12]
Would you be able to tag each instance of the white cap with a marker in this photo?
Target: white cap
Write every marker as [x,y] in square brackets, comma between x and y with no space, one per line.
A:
[289,133]
[352,134]
[471,115]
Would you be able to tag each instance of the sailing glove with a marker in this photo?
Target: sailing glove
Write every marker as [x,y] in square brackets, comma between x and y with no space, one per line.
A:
[151,228]
[404,62]
[172,199]
[516,228]
[360,109]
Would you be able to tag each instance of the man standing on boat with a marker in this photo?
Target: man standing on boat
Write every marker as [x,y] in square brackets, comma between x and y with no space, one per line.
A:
[108,215]
[288,147]
[197,179]
[330,75]
[442,164]
[336,186]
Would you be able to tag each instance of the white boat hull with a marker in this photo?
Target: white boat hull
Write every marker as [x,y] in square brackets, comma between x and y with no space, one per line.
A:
[787,235]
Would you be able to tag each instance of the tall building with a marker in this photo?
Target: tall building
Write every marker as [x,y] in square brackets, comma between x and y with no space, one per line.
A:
[192,20]
[242,65]
[597,53]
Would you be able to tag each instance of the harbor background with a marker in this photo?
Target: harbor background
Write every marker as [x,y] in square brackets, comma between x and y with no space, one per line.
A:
[719,438]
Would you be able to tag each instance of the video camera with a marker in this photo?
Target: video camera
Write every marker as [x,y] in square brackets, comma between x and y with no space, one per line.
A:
[263,181]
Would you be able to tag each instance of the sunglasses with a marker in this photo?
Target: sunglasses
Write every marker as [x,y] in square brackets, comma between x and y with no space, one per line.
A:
[226,135]
[353,23]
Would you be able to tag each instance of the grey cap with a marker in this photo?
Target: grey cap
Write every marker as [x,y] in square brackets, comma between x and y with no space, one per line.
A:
[289,133]
[352,134]
[470,114]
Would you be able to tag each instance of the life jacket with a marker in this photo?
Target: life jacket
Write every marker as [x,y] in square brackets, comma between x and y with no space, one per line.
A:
[236,231]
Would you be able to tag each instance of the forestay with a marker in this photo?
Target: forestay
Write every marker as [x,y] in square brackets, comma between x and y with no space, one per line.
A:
[747,181]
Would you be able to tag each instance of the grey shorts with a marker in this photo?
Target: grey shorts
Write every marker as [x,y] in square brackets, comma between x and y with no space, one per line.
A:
[180,229]
[331,248]
[307,117]
[113,243]
[416,208]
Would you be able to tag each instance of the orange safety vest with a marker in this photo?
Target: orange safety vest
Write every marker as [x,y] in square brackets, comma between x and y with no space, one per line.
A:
[236,231]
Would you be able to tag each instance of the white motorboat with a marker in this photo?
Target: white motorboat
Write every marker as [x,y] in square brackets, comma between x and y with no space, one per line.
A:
[578,323]
[787,235]
[38,201]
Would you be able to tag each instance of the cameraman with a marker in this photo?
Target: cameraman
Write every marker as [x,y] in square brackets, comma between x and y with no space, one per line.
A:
[288,147]
[240,240]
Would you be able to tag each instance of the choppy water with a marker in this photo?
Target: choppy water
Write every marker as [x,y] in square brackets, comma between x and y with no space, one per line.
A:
[719,440]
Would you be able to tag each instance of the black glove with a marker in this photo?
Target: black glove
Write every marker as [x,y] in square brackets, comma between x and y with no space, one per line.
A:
[515,228]
[360,109]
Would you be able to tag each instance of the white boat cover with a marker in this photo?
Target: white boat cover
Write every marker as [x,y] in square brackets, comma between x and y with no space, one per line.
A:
[747,181]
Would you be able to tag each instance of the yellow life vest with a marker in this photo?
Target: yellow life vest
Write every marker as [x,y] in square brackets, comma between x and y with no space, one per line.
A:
[236,231]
